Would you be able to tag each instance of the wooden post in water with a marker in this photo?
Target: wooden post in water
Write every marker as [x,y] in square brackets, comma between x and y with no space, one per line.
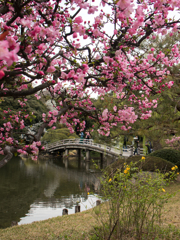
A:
[79,154]
[65,211]
[79,158]
[14,223]
[66,162]
[87,166]
[77,208]
[98,202]
[87,155]
[66,152]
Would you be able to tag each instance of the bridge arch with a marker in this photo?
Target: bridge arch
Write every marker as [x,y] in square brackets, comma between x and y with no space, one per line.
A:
[86,144]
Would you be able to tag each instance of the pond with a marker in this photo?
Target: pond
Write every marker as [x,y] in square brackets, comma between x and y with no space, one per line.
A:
[33,191]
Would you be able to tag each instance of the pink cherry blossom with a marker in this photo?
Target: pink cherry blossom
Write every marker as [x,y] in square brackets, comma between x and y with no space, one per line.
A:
[2,74]
[52,50]
[74,35]
[78,20]
[51,69]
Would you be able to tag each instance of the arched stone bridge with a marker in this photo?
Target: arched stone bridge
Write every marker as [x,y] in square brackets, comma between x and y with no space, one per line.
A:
[88,145]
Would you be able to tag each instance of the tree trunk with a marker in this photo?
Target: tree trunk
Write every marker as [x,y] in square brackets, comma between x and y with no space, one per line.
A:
[8,152]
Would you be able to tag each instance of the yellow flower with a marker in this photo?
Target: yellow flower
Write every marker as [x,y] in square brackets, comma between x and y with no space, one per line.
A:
[110,180]
[176,166]
[177,173]
[143,158]
[125,171]
[163,190]
[88,193]
[173,168]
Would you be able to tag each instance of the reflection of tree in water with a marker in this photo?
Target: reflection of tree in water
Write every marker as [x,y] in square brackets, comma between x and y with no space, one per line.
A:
[27,182]
[74,185]
[18,190]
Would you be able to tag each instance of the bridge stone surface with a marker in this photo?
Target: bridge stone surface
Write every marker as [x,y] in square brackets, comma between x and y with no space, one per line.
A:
[89,145]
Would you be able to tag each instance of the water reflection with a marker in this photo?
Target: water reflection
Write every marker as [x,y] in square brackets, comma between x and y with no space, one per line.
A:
[31,191]
[41,211]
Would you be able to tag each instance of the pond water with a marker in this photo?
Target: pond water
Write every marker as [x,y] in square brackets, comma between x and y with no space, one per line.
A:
[33,191]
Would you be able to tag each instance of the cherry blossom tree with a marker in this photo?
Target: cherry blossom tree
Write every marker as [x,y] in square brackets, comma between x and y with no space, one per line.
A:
[173,142]
[75,48]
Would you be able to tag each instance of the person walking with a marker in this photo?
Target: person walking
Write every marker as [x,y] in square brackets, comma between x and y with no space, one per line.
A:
[125,143]
[148,145]
[136,141]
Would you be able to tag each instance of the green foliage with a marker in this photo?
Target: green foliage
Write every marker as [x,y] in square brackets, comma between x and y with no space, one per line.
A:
[32,105]
[58,134]
[135,200]
[170,155]
[161,126]
[150,163]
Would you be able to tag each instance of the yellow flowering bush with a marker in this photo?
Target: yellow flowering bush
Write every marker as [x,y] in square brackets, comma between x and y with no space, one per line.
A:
[172,175]
[127,169]
[135,199]
[174,168]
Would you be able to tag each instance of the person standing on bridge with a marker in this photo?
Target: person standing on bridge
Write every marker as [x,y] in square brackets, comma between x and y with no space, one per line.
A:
[136,142]
[87,136]
[148,147]
[125,143]
[82,137]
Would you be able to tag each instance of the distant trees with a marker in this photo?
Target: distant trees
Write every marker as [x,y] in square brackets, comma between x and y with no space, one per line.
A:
[35,108]
[58,134]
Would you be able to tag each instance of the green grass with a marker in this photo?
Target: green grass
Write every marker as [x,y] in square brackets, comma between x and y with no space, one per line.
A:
[65,227]
[80,225]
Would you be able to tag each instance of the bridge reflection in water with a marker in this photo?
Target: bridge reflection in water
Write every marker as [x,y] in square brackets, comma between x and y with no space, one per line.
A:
[33,191]
[68,186]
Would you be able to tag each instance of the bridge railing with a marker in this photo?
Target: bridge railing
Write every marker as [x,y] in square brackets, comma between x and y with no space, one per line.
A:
[69,141]
[79,141]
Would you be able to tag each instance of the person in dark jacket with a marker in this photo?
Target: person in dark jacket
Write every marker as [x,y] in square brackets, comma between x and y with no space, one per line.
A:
[148,145]
[136,142]
[125,143]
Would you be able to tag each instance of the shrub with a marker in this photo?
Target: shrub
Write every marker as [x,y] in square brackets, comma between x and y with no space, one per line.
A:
[151,163]
[58,134]
[170,155]
[133,209]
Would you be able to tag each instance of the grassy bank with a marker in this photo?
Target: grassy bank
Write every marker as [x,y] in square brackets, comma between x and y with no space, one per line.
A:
[74,226]
[79,226]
